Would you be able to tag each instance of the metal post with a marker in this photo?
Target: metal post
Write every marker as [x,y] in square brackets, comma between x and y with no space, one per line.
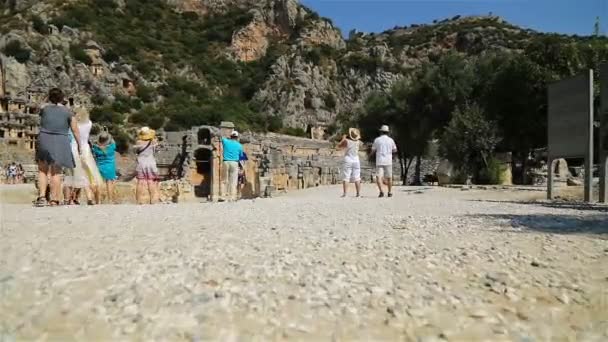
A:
[589,156]
[603,176]
[603,133]
[550,171]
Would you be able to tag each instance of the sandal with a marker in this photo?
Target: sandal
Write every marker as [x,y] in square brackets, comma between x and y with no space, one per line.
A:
[90,202]
[54,203]
[41,202]
[76,202]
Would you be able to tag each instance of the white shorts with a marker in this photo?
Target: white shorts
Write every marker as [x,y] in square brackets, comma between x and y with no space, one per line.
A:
[351,172]
[384,171]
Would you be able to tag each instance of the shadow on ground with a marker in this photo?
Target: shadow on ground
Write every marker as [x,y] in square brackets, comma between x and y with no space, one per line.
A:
[417,190]
[603,208]
[552,223]
[555,223]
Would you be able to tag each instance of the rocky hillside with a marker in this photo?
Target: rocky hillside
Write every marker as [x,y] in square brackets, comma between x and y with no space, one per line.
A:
[267,64]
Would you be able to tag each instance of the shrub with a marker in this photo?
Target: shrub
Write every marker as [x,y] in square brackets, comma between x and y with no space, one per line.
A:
[491,174]
[77,52]
[111,56]
[274,123]
[106,115]
[146,93]
[295,131]
[111,4]
[362,62]
[330,101]
[15,49]
[39,25]
[98,100]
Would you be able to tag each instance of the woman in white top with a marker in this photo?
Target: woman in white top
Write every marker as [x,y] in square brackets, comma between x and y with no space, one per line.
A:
[351,170]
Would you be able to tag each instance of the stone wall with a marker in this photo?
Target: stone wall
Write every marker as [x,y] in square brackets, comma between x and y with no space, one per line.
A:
[285,163]
[276,163]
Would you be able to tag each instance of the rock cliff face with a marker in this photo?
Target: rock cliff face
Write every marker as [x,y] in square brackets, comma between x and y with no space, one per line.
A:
[312,74]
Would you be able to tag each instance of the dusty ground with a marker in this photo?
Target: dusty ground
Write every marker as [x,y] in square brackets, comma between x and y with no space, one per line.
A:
[429,264]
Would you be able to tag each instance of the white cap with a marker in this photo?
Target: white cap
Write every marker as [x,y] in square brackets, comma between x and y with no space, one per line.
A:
[234,134]
[384,128]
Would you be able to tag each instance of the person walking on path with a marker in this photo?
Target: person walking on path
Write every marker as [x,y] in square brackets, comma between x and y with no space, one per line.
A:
[384,147]
[93,177]
[147,171]
[351,171]
[104,152]
[232,150]
[53,151]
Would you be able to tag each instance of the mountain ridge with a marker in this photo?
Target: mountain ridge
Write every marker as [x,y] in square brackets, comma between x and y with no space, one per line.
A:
[268,65]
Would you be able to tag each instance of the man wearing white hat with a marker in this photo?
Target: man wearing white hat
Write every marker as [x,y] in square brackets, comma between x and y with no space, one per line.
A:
[384,147]
[232,153]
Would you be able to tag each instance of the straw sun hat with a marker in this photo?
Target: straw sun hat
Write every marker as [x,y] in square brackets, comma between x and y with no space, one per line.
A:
[146,133]
[354,133]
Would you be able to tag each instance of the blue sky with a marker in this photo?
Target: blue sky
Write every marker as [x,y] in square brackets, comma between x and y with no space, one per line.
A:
[562,16]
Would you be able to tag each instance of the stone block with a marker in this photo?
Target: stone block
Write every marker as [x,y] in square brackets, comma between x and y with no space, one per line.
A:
[561,169]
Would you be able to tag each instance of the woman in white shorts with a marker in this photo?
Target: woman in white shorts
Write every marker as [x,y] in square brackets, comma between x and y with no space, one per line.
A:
[351,171]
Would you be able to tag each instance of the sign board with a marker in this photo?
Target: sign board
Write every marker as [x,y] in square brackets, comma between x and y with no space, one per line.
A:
[570,126]
[569,117]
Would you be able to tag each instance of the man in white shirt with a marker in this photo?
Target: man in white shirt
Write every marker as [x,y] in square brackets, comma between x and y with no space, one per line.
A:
[384,147]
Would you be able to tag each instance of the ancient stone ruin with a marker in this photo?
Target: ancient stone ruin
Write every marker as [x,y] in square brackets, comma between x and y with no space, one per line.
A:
[191,162]
[19,119]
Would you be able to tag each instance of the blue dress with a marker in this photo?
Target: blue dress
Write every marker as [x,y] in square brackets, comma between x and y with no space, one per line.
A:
[106,161]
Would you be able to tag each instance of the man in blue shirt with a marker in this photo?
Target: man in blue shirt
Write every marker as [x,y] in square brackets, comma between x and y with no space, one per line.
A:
[232,153]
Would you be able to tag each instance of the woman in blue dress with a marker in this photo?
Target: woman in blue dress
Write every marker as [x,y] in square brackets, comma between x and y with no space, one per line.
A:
[104,152]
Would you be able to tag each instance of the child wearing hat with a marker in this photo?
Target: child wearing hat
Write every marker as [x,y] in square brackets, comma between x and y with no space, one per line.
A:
[147,171]
[104,151]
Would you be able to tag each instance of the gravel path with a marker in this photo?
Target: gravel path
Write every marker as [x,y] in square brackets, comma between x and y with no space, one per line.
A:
[427,265]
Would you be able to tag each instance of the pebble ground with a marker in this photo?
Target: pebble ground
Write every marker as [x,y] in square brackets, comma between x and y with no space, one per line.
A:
[430,264]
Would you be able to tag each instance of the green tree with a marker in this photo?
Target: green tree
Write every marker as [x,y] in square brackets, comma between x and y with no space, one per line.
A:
[517,101]
[444,87]
[469,140]
[556,53]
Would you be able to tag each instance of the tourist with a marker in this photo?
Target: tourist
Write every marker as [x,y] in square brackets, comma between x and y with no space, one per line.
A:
[20,174]
[384,147]
[54,151]
[68,174]
[12,173]
[104,152]
[242,179]
[232,152]
[351,170]
[93,178]
[147,171]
